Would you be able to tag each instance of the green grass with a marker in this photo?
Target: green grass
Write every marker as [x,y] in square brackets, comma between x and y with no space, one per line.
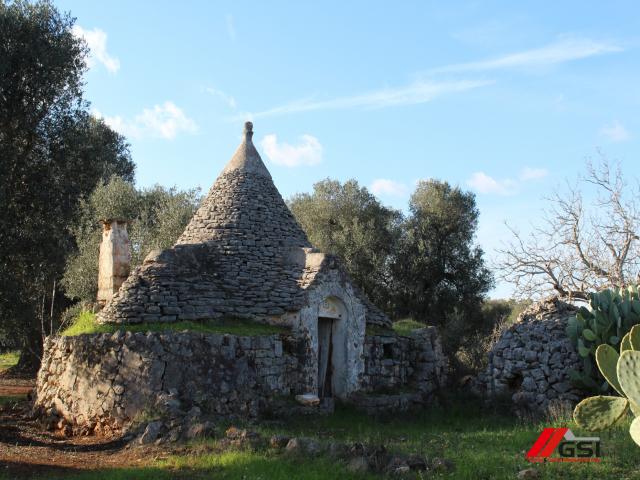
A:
[86,323]
[406,326]
[9,399]
[483,445]
[8,360]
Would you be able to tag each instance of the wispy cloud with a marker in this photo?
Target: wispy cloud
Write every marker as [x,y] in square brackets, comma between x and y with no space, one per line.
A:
[615,132]
[97,41]
[231,27]
[428,88]
[562,51]
[529,173]
[307,152]
[486,184]
[384,186]
[415,93]
[226,98]
[161,121]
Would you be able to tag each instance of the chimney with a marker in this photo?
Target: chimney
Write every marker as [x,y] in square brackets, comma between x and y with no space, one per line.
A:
[115,259]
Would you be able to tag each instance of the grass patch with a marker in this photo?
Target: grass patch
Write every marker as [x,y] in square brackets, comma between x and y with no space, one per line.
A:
[8,360]
[406,326]
[9,399]
[484,445]
[86,323]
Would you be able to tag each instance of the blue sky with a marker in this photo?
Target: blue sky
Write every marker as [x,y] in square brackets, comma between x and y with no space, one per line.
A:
[506,99]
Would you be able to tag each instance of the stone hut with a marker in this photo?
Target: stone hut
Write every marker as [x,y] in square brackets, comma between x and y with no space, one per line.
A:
[242,257]
[531,360]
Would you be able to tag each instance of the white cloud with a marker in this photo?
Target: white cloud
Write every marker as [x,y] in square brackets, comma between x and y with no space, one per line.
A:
[226,98]
[528,173]
[161,121]
[483,183]
[307,152]
[616,132]
[562,51]
[384,186]
[97,41]
[231,28]
[415,93]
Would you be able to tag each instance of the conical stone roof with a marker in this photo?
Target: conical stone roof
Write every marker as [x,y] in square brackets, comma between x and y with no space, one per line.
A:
[243,254]
[244,207]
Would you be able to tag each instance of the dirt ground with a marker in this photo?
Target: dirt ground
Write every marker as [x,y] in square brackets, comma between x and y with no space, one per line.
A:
[27,450]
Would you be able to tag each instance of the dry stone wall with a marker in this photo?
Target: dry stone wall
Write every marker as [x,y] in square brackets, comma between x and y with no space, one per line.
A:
[107,380]
[401,372]
[531,361]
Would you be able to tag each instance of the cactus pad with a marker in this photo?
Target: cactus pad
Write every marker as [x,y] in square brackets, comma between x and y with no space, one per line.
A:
[607,359]
[625,344]
[629,375]
[634,337]
[598,413]
[634,430]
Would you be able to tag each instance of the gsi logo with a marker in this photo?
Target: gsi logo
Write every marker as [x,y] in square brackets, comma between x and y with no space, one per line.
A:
[569,447]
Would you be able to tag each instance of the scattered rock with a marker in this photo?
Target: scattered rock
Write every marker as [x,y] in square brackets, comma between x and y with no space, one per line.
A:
[234,433]
[308,399]
[151,433]
[442,465]
[401,470]
[358,465]
[196,430]
[416,462]
[303,446]
[338,450]
[278,441]
[528,474]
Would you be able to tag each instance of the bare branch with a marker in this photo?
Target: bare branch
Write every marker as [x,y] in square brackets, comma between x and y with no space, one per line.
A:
[581,245]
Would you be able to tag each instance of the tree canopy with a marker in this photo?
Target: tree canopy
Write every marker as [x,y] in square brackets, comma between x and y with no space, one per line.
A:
[348,221]
[437,268]
[156,218]
[53,153]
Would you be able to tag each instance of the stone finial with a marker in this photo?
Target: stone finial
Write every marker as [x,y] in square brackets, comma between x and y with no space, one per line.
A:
[248,131]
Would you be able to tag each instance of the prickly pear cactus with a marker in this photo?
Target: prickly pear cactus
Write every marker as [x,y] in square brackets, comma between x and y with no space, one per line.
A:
[598,413]
[611,314]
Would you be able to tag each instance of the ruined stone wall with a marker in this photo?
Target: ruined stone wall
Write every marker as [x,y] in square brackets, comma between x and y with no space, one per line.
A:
[394,361]
[531,361]
[109,379]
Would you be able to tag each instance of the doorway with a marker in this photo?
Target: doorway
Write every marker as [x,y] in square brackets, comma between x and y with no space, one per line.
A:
[325,357]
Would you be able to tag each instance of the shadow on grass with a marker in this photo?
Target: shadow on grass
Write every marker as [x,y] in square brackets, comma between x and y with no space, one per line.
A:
[11,435]
[231,466]
[17,470]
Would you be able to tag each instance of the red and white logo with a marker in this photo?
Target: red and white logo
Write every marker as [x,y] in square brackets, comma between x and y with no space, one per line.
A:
[568,447]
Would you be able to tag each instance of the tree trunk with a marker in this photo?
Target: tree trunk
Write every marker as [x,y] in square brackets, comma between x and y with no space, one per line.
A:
[30,356]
